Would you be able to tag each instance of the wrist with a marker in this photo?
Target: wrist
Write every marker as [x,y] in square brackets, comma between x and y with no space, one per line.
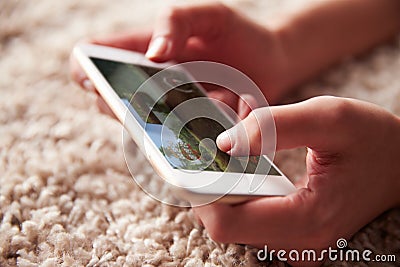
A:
[299,60]
[281,82]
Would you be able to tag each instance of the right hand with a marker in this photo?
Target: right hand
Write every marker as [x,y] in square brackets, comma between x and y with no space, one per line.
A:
[211,32]
[352,175]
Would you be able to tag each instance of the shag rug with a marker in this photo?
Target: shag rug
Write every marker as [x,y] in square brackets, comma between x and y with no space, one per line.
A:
[66,196]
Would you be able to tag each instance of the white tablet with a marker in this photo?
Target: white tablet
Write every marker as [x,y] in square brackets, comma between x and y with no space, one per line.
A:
[187,157]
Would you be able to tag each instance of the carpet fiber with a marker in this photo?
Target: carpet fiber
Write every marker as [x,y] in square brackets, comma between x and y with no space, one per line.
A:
[66,197]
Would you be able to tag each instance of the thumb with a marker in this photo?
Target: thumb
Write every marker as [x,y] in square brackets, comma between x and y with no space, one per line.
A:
[254,135]
[313,123]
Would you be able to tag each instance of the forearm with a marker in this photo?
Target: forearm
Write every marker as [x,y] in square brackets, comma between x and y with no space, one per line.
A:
[330,31]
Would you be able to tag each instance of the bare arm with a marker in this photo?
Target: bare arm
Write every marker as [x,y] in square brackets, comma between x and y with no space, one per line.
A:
[277,58]
[332,30]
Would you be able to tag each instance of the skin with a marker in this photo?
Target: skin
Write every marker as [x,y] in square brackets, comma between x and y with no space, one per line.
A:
[217,40]
[349,169]
[349,166]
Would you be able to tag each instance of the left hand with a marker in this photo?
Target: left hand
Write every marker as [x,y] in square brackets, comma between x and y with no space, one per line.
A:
[211,32]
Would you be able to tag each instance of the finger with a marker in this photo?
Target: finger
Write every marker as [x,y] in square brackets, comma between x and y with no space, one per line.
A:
[176,25]
[79,76]
[134,40]
[315,123]
[104,108]
[225,96]
[319,123]
[252,135]
[246,104]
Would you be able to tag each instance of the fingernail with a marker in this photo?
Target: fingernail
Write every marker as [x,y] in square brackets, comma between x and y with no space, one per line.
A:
[158,48]
[224,141]
[88,85]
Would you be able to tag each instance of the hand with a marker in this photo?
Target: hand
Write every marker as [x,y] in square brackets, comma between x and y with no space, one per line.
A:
[135,40]
[211,32]
[353,175]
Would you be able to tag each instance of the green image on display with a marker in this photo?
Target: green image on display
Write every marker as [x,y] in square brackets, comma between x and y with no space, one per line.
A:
[185,150]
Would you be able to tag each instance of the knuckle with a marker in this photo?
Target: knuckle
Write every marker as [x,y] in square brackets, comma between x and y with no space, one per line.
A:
[223,9]
[225,16]
[176,12]
[171,13]
[334,111]
[339,108]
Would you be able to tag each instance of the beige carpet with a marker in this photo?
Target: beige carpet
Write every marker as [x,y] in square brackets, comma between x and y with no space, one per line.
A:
[66,197]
